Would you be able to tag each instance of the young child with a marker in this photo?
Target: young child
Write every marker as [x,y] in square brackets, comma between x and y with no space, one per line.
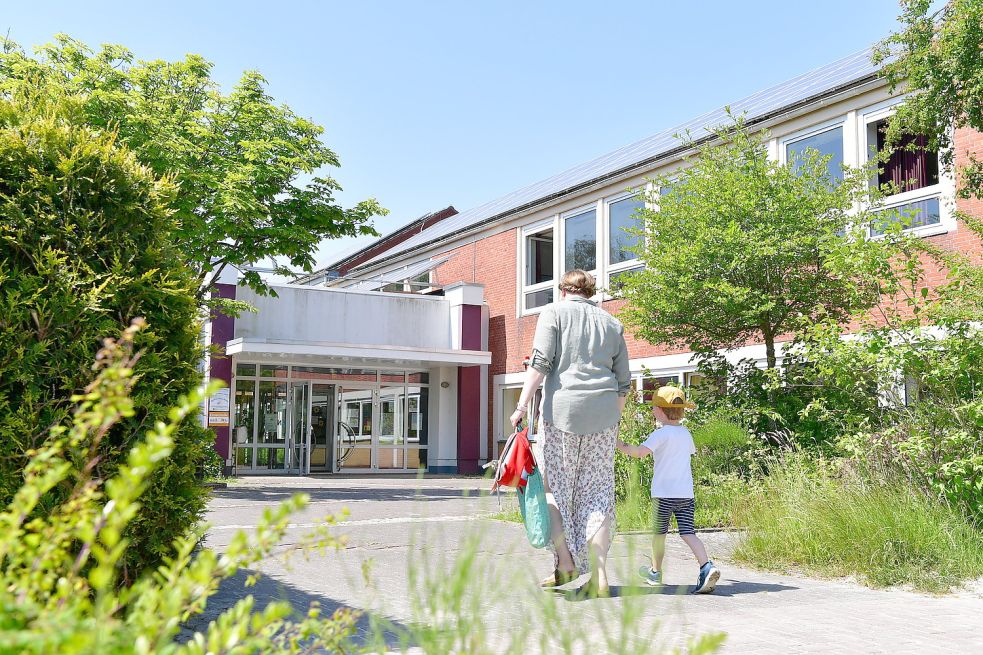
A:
[671,446]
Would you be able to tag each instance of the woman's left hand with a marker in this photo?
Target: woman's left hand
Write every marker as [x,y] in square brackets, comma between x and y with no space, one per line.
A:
[517,417]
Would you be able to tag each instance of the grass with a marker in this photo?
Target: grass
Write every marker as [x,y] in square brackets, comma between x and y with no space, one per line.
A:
[808,516]
[714,505]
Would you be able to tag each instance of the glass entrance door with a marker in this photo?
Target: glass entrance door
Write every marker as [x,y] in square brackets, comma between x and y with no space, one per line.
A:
[299,432]
[356,434]
[323,427]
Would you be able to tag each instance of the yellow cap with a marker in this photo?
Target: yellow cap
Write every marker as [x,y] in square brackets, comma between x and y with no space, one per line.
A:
[671,397]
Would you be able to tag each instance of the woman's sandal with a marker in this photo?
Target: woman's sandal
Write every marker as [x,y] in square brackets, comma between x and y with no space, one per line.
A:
[558,579]
[591,590]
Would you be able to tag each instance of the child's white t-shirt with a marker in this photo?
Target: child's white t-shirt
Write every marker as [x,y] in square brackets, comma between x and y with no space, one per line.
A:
[671,446]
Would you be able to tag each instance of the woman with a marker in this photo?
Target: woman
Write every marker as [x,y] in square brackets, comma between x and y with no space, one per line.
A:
[579,350]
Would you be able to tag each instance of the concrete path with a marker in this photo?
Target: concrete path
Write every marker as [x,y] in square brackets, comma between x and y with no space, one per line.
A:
[406,535]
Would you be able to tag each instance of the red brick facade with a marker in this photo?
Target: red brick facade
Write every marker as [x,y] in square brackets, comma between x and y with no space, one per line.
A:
[492,261]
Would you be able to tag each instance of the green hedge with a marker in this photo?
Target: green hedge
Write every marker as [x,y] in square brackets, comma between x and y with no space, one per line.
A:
[84,249]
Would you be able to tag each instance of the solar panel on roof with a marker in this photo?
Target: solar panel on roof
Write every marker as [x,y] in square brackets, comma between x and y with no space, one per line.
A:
[844,71]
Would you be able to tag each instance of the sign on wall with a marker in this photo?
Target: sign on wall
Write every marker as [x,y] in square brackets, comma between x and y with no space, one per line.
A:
[218,408]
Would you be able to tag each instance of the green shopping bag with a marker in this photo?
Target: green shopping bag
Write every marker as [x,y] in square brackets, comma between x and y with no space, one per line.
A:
[534,510]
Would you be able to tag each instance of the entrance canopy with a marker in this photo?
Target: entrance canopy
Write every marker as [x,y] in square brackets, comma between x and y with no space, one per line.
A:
[335,354]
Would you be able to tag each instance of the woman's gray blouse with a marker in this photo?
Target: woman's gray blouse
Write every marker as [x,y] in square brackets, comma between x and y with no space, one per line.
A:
[581,350]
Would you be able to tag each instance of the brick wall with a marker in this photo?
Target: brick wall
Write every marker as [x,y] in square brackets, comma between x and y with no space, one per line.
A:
[492,261]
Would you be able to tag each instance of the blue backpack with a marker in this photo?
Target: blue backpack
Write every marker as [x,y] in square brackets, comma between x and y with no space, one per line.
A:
[535,512]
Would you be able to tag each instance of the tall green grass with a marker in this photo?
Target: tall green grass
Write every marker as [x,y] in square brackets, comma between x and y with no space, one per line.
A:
[809,516]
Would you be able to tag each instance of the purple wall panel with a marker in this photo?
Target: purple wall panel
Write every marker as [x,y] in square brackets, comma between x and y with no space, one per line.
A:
[471,327]
[469,405]
[220,368]
[468,418]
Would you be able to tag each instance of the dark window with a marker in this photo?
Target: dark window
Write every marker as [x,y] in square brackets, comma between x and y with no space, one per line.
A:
[539,256]
[911,166]
[581,241]
[910,215]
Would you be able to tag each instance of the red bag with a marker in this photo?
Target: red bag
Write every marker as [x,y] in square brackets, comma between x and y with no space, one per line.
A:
[515,462]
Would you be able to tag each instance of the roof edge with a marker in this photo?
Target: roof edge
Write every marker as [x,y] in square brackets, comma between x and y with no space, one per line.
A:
[670,154]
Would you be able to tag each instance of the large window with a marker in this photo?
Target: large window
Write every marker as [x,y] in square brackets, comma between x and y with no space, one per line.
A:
[909,179]
[622,218]
[537,279]
[828,143]
[580,241]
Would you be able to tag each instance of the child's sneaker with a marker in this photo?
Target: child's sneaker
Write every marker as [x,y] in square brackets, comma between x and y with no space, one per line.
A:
[709,574]
[652,578]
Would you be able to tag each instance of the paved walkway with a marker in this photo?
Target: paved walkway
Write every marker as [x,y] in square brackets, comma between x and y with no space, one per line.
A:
[405,534]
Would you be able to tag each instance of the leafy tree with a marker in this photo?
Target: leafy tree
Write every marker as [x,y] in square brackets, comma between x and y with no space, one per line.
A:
[235,158]
[84,248]
[938,58]
[738,248]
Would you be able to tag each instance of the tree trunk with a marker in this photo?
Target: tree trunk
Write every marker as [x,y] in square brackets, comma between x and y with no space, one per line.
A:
[770,349]
[772,362]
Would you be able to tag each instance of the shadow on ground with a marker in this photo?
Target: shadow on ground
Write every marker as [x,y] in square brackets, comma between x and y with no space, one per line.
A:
[726,589]
[384,494]
[267,590]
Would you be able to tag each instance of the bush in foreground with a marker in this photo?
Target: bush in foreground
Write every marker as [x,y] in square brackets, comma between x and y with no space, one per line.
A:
[84,249]
[829,521]
[59,569]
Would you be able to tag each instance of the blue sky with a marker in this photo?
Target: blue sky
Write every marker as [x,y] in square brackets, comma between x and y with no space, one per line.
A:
[436,103]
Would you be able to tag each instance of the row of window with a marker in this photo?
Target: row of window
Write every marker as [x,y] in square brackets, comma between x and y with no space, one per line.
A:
[593,237]
[596,237]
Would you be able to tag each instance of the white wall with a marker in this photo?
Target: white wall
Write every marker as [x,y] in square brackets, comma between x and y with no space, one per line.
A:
[443,417]
[317,314]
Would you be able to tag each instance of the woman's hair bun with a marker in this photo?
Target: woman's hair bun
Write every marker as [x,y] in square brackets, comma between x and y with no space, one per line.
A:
[580,282]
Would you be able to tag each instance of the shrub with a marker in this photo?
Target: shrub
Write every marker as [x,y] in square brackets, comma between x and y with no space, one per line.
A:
[910,400]
[59,566]
[812,515]
[631,474]
[85,248]
[720,434]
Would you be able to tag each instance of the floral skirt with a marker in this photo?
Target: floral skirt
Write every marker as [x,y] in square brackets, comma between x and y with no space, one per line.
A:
[580,473]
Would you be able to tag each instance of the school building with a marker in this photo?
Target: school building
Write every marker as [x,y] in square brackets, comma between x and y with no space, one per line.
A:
[409,353]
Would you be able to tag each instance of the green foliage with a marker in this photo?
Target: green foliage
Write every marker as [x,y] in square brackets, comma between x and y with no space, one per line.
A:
[236,159]
[60,565]
[810,515]
[906,390]
[738,247]
[84,249]
[721,435]
[938,59]
[213,465]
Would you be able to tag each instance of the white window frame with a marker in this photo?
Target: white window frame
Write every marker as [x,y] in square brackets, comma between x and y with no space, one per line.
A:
[944,191]
[524,233]
[813,130]
[600,242]
[630,264]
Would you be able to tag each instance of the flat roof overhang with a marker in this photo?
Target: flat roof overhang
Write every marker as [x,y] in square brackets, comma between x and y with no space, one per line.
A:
[346,354]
